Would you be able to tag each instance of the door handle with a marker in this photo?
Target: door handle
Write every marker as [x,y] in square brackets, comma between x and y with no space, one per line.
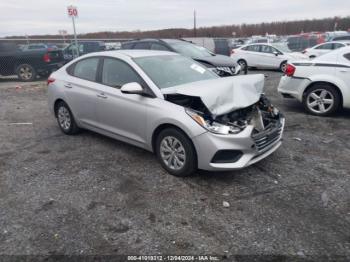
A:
[344,70]
[102,95]
[68,85]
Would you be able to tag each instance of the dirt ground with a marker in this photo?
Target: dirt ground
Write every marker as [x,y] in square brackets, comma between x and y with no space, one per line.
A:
[91,195]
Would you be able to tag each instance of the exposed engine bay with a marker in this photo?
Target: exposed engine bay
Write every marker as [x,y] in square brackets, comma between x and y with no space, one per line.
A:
[262,114]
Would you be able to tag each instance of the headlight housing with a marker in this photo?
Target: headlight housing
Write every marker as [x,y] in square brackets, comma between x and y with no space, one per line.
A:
[212,126]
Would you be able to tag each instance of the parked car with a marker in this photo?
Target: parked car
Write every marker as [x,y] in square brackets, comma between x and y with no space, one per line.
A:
[220,64]
[338,36]
[270,56]
[168,104]
[324,48]
[28,64]
[298,43]
[322,85]
[39,46]
[220,46]
[84,47]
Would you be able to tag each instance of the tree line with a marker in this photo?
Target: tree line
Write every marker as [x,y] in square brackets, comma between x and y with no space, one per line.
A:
[243,30]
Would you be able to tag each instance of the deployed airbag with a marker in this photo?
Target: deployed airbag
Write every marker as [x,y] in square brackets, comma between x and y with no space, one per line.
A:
[224,95]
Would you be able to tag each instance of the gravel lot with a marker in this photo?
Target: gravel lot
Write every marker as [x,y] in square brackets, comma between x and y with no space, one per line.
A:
[88,194]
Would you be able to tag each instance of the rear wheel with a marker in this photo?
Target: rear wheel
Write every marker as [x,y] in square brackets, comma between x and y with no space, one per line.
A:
[176,152]
[26,72]
[322,99]
[65,119]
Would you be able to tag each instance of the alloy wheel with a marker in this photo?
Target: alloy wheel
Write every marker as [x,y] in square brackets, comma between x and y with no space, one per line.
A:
[64,118]
[172,153]
[25,72]
[320,101]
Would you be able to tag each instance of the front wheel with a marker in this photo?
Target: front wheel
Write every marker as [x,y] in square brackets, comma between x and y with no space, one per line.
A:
[26,72]
[322,100]
[176,152]
[283,66]
[244,65]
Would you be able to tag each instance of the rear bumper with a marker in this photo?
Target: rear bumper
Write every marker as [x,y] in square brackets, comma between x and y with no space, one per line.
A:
[293,87]
[50,67]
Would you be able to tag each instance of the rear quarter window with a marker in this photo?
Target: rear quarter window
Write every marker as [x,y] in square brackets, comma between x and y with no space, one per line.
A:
[347,56]
[85,69]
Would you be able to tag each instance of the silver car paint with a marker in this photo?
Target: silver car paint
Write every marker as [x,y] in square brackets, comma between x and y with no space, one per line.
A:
[137,119]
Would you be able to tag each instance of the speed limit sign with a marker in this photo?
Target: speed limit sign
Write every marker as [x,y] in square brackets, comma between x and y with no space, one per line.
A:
[72,11]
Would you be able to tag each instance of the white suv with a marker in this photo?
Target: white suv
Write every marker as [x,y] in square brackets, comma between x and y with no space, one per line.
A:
[322,85]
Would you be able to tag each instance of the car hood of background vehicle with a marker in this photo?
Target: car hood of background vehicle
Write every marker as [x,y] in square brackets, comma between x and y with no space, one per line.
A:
[217,60]
[223,95]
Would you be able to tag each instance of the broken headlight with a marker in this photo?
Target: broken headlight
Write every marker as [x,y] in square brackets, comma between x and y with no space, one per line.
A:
[213,126]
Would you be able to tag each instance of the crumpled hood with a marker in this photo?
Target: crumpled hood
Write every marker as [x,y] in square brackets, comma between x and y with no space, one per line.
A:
[223,95]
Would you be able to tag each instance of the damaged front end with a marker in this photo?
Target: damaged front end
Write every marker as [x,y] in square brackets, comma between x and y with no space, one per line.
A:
[266,120]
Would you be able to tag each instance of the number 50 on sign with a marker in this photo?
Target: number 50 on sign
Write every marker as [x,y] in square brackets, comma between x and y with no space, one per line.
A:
[72,11]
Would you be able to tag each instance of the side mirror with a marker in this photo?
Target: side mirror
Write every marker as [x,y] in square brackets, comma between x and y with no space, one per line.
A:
[276,53]
[132,88]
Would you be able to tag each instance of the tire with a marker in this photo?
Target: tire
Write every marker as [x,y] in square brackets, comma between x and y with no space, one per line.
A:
[322,99]
[184,151]
[65,119]
[283,66]
[26,72]
[244,65]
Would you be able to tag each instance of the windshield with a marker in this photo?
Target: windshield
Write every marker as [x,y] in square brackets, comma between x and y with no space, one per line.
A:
[190,50]
[282,47]
[173,70]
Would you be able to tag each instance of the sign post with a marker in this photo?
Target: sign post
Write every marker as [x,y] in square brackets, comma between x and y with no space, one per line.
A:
[73,13]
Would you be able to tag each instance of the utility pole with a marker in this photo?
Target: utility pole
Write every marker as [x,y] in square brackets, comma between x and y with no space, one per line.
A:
[194,23]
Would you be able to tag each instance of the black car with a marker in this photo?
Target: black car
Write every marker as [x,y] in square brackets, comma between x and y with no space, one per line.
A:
[27,65]
[85,47]
[220,64]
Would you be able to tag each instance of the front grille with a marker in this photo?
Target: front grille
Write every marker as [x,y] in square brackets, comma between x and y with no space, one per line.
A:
[267,138]
[226,69]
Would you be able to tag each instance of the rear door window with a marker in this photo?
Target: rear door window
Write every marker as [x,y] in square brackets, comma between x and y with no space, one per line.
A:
[116,73]
[253,48]
[325,47]
[86,69]
[337,45]
[142,45]
[266,49]
[156,46]
[127,45]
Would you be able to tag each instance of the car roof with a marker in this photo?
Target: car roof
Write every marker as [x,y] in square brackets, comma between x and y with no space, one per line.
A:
[134,53]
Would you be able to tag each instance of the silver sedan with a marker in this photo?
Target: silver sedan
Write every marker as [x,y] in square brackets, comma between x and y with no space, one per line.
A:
[170,105]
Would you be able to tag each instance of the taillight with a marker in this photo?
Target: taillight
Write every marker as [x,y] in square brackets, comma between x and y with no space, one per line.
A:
[46,58]
[50,80]
[232,51]
[290,70]
[303,52]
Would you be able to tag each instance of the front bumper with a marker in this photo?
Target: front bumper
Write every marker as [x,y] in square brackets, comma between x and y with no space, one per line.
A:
[208,144]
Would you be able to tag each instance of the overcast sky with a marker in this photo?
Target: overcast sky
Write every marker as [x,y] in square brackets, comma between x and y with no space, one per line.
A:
[20,17]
